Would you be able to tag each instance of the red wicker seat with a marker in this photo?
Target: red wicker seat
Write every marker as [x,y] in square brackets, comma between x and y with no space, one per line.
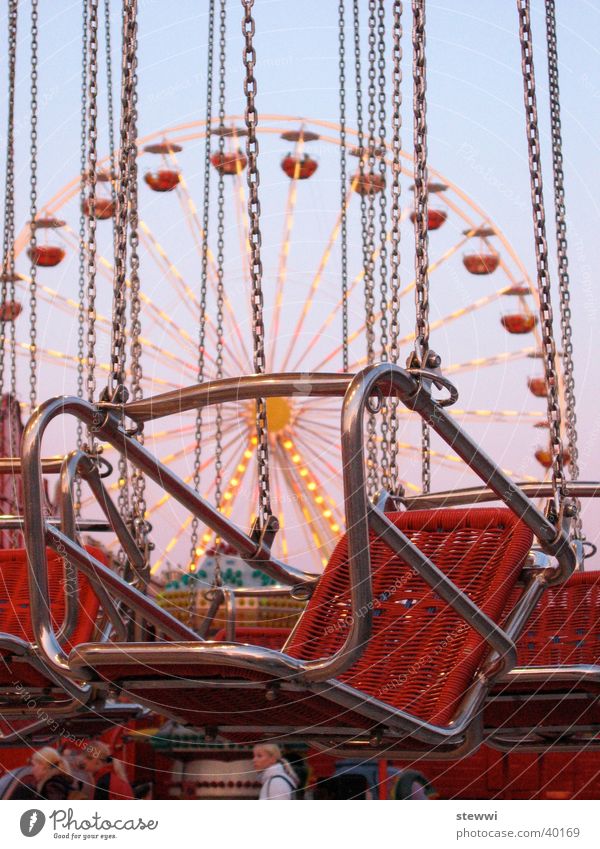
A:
[563,631]
[15,618]
[421,656]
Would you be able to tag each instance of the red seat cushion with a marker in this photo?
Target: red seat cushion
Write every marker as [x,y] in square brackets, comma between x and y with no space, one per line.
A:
[422,655]
[15,614]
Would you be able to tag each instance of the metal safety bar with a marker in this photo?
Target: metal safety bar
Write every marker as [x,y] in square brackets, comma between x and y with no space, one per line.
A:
[385,379]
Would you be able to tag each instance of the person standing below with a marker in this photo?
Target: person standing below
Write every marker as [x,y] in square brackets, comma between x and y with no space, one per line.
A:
[108,774]
[51,774]
[279,781]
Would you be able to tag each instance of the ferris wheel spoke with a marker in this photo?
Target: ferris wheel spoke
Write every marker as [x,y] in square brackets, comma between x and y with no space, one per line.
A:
[194,225]
[483,362]
[162,318]
[479,304]
[314,286]
[338,306]
[307,523]
[283,257]
[314,492]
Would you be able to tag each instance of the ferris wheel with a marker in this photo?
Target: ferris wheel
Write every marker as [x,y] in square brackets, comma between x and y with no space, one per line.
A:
[482,322]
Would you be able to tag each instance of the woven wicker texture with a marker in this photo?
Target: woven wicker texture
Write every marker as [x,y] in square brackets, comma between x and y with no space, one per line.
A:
[271,638]
[15,616]
[421,656]
[565,626]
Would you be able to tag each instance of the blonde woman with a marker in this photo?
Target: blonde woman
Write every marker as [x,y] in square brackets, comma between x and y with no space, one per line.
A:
[108,774]
[51,774]
[279,781]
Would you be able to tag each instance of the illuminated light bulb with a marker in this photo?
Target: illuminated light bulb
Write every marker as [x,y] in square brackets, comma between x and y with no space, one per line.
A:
[234,482]
[254,440]
[303,473]
[335,528]
[248,455]
[296,458]
[324,561]
[241,468]
[288,443]
[199,552]
[312,486]
[122,483]
[206,537]
[319,499]
[192,567]
[228,496]
[327,513]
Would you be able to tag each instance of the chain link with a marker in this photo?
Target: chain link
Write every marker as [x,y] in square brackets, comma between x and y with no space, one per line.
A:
[92,167]
[118,341]
[254,236]
[562,255]
[391,484]
[421,214]
[109,98]
[33,198]
[220,260]
[343,185]
[203,269]
[8,248]
[541,250]
[82,239]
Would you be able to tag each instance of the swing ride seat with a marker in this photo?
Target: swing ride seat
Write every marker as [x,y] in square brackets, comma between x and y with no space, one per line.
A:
[421,658]
[83,724]
[555,689]
[399,640]
[20,664]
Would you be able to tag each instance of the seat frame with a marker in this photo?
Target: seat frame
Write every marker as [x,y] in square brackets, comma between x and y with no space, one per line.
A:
[107,421]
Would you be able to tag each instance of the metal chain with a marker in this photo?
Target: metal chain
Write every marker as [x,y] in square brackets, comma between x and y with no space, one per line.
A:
[254,236]
[109,97]
[138,481]
[33,208]
[220,261]
[8,247]
[81,309]
[343,186]
[562,254]
[118,341]
[367,247]
[421,213]
[391,484]
[383,285]
[541,251]
[92,167]
[203,270]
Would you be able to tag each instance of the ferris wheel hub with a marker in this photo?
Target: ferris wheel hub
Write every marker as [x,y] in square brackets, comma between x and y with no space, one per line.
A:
[279,414]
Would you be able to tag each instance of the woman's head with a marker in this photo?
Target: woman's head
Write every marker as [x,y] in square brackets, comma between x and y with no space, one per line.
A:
[96,756]
[46,762]
[265,755]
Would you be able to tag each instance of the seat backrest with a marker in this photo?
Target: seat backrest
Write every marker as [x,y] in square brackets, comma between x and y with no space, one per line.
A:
[564,628]
[15,608]
[422,655]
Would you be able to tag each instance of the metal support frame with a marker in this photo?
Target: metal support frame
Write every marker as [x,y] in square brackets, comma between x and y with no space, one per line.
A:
[318,676]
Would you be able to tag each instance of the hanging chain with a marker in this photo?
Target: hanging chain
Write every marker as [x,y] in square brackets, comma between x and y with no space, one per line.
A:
[118,341]
[368,243]
[92,167]
[420,357]
[8,247]
[109,98]
[254,236]
[33,208]
[541,251]
[562,254]
[203,271]
[343,186]
[370,232]
[82,240]
[391,484]
[220,263]
[140,526]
